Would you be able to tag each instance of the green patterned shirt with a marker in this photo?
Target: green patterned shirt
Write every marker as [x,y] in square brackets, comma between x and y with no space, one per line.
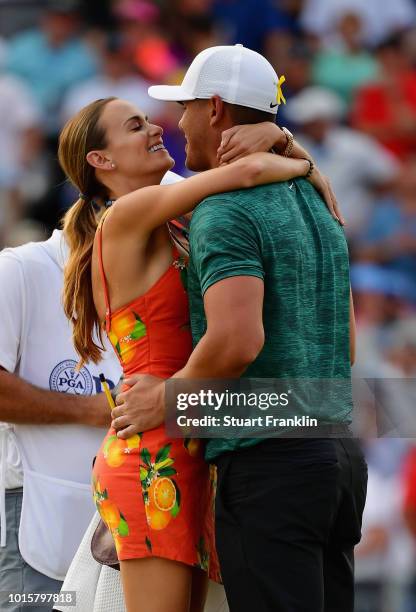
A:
[284,234]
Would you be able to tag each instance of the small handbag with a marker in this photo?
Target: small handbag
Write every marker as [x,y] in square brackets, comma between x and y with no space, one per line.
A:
[103,548]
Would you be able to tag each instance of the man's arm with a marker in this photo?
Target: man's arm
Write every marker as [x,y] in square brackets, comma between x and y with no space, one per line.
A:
[229,266]
[235,334]
[21,402]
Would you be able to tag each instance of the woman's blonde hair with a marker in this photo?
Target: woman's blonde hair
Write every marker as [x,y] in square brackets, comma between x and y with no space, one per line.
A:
[82,134]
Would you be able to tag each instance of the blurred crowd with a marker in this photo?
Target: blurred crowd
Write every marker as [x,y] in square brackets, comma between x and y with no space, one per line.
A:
[350,68]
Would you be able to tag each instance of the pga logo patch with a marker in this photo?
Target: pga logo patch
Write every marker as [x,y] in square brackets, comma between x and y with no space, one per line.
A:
[65,379]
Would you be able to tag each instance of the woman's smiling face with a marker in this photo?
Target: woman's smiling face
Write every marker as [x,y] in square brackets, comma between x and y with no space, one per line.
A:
[134,146]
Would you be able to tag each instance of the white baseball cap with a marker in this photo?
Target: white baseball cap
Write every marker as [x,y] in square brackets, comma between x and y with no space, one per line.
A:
[237,74]
[313,104]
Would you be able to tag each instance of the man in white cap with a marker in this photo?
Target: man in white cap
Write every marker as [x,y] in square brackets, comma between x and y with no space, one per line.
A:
[269,294]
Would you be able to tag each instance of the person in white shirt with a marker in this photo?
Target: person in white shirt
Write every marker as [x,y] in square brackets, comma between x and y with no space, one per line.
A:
[380,19]
[45,495]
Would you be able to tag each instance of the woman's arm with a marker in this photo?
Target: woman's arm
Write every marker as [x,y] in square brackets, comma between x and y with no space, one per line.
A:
[150,207]
[241,140]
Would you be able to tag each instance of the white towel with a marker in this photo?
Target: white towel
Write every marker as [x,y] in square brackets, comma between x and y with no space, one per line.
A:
[98,587]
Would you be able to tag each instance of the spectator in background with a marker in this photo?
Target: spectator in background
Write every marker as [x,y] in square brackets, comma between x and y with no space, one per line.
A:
[346,64]
[52,58]
[297,68]
[390,238]
[354,162]
[380,19]
[20,140]
[380,299]
[385,556]
[139,23]
[193,34]
[409,476]
[117,77]
[17,15]
[405,359]
[409,510]
[386,108]
[396,398]
[371,568]
[262,25]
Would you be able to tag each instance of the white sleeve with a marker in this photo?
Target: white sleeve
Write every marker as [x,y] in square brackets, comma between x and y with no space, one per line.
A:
[12,304]
[378,165]
[25,110]
[171,177]
[76,97]
[379,506]
[400,13]
[315,16]
[69,106]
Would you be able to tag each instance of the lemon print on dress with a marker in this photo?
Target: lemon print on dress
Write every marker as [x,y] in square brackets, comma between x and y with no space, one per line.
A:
[115,449]
[125,329]
[202,554]
[161,494]
[111,515]
[193,446]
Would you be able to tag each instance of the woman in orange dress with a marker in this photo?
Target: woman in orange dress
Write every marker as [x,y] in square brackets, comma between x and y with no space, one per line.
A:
[124,277]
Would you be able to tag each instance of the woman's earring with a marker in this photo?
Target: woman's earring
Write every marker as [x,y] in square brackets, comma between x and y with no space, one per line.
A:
[113,165]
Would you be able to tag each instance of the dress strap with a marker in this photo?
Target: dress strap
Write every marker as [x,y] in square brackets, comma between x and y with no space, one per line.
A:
[173,228]
[102,273]
[182,226]
[175,252]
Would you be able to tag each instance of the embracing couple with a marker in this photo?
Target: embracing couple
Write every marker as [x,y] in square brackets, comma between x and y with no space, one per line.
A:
[267,296]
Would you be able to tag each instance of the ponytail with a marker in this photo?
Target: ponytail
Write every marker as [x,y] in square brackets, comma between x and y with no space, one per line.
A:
[82,134]
[80,225]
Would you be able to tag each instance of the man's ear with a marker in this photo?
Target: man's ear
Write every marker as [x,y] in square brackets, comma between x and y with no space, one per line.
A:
[217,109]
[97,159]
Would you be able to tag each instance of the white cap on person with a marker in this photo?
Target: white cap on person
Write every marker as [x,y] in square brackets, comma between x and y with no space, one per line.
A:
[314,104]
[234,73]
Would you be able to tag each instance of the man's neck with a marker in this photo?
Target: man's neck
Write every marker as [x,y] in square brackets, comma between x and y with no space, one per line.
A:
[212,153]
[213,161]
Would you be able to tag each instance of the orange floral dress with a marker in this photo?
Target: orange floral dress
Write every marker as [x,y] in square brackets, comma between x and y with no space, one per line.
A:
[155,494]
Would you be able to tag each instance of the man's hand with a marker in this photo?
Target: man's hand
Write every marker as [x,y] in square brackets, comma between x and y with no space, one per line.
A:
[323,186]
[241,140]
[140,408]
